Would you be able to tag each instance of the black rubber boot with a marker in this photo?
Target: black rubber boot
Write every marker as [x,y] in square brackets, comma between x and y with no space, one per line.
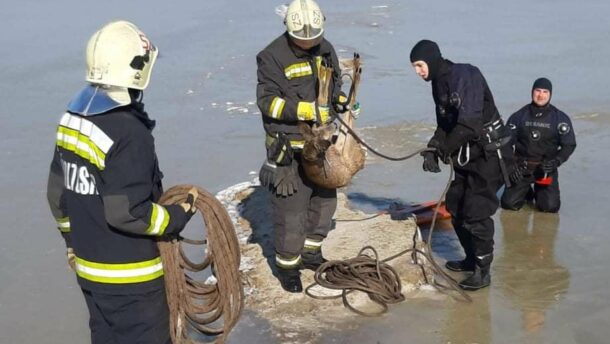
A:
[312,259]
[465,237]
[460,265]
[480,278]
[290,279]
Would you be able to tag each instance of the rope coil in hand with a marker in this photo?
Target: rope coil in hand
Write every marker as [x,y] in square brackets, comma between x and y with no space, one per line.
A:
[196,306]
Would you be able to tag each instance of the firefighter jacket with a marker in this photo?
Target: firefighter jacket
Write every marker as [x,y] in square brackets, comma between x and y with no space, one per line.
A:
[464,107]
[103,183]
[287,88]
[542,133]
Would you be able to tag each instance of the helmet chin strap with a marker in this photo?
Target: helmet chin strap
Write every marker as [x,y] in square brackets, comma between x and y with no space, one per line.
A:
[136,95]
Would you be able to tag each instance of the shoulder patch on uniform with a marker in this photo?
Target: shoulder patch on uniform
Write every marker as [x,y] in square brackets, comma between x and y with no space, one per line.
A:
[512,126]
[563,128]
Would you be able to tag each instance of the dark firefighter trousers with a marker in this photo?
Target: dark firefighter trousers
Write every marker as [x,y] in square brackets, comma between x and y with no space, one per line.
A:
[546,197]
[128,319]
[306,214]
[472,200]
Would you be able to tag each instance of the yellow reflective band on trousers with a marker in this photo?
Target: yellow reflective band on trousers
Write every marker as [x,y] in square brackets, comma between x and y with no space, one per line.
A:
[287,262]
[298,70]
[159,218]
[312,245]
[63,224]
[276,107]
[119,273]
[296,144]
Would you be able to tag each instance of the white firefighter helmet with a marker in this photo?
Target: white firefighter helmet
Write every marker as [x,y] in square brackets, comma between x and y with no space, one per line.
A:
[304,20]
[119,54]
[119,57]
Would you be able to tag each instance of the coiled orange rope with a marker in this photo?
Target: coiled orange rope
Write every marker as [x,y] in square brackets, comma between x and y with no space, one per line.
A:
[198,308]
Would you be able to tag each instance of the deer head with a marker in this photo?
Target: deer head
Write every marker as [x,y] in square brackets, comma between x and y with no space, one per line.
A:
[317,140]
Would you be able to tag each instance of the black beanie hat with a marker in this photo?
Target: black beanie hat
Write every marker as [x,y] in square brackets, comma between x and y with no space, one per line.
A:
[427,51]
[543,83]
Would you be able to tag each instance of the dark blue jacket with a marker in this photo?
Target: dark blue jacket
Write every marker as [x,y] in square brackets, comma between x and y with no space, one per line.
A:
[464,106]
[542,133]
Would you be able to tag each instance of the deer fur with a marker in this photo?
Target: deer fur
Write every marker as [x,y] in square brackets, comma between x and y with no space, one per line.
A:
[332,160]
[324,161]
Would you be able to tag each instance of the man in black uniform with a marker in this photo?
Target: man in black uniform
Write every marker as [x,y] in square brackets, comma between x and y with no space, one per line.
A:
[103,186]
[544,139]
[287,93]
[471,135]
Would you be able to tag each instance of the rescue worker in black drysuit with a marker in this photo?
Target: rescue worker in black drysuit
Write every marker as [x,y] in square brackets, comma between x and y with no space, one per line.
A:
[287,94]
[471,135]
[544,140]
[103,188]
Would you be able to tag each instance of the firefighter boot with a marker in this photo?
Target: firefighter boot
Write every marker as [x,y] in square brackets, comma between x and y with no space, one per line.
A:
[290,279]
[312,259]
[466,264]
[480,278]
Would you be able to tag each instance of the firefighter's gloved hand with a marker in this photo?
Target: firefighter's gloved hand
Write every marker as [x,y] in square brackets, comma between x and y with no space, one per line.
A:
[549,166]
[186,211]
[430,162]
[516,174]
[306,111]
[267,174]
[340,103]
[286,180]
[71,258]
[189,205]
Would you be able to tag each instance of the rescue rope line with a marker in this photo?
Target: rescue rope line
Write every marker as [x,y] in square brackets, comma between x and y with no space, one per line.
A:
[357,274]
[198,307]
[375,151]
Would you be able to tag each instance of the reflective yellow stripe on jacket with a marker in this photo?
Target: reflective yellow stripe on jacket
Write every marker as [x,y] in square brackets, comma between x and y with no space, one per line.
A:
[159,218]
[297,70]
[84,138]
[119,273]
[63,224]
[276,107]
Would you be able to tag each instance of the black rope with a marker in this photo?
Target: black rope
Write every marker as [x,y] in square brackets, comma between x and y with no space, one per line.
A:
[375,151]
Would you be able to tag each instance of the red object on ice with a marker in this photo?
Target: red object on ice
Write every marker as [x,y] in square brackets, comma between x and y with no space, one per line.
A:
[423,212]
[545,181]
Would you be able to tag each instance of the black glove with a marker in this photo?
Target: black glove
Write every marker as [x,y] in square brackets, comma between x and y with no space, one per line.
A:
[286,180]
[441,150]
[516,174]
[182,213]
[267,174]
[549,166]
[430,162]
[341,103]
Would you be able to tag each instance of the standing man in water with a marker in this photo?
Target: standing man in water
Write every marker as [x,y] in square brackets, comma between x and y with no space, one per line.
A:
[544,139]
[470,134]
[287,93]
[103,188]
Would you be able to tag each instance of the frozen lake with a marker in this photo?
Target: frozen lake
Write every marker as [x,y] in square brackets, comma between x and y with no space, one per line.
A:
[550,277]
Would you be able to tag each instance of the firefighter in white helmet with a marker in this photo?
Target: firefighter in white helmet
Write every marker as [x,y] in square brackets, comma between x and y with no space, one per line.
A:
[103,188]
[287,95]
